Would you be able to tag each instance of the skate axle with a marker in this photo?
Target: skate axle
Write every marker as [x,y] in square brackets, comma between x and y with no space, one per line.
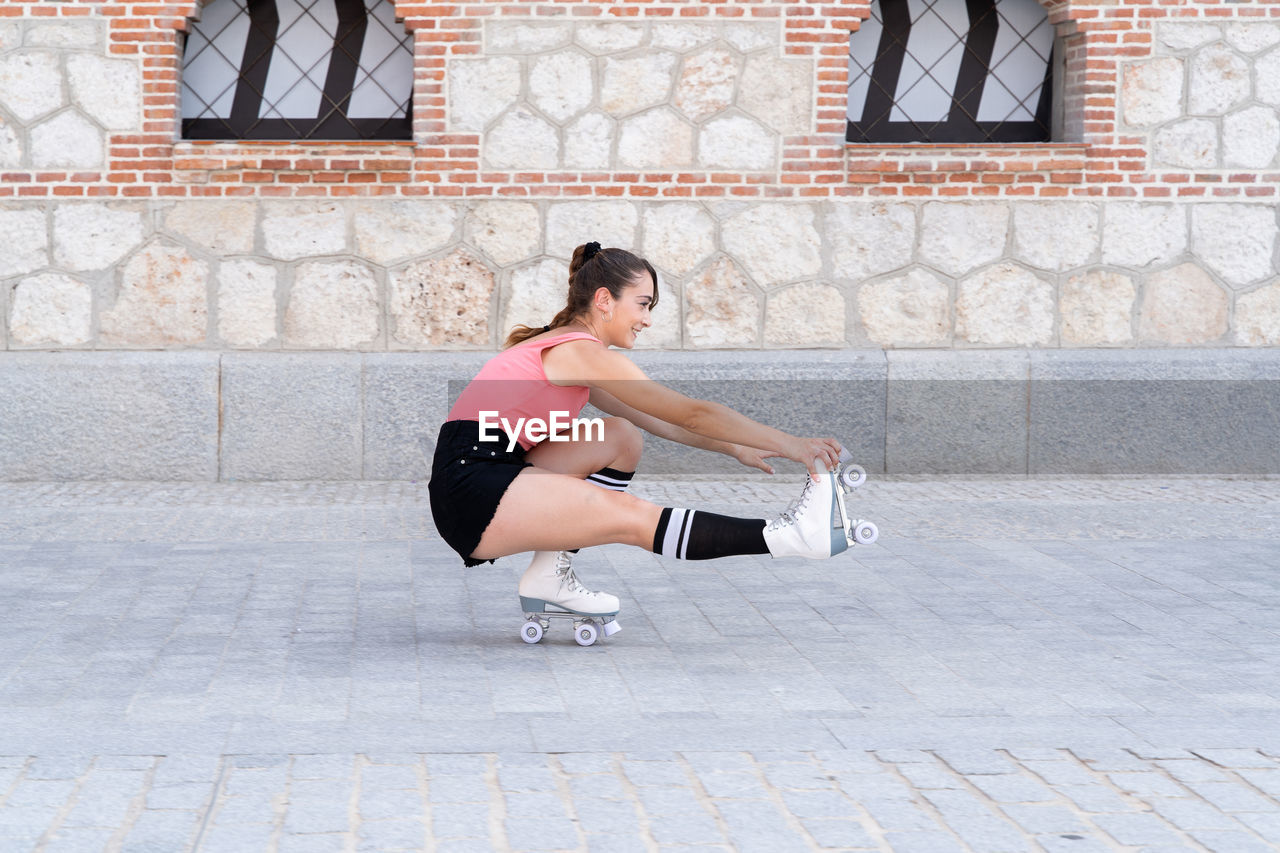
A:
[586,629]
[850,477]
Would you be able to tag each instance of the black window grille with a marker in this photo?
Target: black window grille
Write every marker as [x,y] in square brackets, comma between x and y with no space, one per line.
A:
[952,71]
[297,69]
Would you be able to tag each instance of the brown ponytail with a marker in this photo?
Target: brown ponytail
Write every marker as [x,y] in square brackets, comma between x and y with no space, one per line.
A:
[590,269]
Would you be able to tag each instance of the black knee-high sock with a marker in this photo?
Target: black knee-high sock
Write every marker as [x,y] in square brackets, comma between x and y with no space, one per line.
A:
[688,534]
[612,479]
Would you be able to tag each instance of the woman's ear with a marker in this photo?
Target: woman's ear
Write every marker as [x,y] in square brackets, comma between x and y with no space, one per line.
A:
[603,299]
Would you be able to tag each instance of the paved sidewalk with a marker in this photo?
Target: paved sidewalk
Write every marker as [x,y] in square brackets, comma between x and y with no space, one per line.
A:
[1056,666]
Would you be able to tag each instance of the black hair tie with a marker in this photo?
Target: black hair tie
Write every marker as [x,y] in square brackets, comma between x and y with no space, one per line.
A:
[590,250]
[546,328]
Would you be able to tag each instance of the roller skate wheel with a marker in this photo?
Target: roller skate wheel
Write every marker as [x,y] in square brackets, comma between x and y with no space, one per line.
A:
[585,634]
[852,476]
[531,632]
[865,533]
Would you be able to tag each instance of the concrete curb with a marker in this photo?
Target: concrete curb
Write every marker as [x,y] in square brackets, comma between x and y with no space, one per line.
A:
[200,416]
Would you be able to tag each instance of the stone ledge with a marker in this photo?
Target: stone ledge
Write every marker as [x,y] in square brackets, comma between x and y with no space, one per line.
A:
[201,416]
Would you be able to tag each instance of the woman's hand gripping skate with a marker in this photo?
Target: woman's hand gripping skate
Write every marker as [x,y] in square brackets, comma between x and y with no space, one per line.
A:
[810,452]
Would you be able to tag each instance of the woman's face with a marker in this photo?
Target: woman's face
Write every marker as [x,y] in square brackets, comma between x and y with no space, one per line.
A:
[631,312]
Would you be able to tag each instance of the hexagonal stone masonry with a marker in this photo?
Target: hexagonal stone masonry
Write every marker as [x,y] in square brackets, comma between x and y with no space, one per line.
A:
[1267,78]
[722,309]
[521,140]
[562,84]
[657,139]
[163,300]
[480,90]
[666,319]
[1252,37]
[65,34]
[1005,305]
[1186,35]
[678,237]
[526,37]
[869,239]
[67,141]
[609,223]
[292,230]
[389,232]
[1096,309]
[247,310]
[534,295]
[24,241]
[221,227]
[442,302]
[1055,236]
[1182,305]
[332,305]
[610,37]
[1219,80]
[11,145]
[1251,138]
[1136,235]
[774,243]
[1188,144]
[50,310]
[10,34]
[682,37]
[94,236]
[1258,317]
[1237,241]
[1151,92]
[805,315]
[506,231]
[636,83]
[109,90]
[707,84]
[913,310]
[31,85]
[588,142]
[779,92]
[738,143]
[957,238]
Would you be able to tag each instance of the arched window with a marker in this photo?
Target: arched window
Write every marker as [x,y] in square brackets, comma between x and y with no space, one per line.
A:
[297,69]
[951,71]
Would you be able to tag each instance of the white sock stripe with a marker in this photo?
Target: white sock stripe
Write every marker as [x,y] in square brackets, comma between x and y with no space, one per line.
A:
[675,525]
[684,534]
[610,483]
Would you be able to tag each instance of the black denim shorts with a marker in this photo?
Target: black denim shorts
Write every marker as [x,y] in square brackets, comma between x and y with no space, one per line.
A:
[468,479]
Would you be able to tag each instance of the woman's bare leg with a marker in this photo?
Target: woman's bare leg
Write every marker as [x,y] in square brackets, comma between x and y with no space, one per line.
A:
[546,511]
[620,448]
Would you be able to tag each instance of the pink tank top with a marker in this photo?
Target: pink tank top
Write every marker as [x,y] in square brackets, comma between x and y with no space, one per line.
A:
[513,385]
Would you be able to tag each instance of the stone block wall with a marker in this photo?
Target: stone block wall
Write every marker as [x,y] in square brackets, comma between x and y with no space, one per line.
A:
[395,275]
[707,136]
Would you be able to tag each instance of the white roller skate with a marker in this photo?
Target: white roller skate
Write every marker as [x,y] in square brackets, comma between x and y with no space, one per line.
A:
[550,590]
[817,524]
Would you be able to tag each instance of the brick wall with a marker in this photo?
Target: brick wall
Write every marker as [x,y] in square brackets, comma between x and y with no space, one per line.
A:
[707,135]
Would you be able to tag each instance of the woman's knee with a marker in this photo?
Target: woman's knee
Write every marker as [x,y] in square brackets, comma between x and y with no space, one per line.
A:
[626,440]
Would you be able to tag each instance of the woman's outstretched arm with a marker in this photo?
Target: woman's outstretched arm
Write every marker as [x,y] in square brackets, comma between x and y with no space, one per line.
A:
[591,364]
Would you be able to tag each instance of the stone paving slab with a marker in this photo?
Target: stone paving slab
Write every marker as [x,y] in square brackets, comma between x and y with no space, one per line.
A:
[1074,665]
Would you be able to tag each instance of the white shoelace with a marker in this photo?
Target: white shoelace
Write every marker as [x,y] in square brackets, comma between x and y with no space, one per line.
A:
[569,580]
[797,506]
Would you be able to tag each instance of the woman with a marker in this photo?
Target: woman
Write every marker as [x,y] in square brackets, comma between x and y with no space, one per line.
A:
[495,493]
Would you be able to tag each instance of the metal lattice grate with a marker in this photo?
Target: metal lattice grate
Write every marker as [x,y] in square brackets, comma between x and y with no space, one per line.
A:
[951,71]
[297,69]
